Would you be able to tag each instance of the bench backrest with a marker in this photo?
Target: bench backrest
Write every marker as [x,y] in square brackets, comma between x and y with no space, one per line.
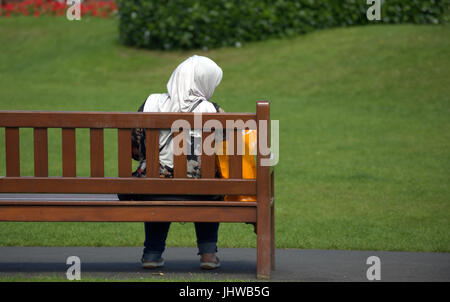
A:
[68,182]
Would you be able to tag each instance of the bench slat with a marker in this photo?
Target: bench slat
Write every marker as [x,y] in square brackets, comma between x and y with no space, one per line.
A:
[128,213]
[234,158]
[152,152]
[129,185]
[12,151]
[207,161]
[40,152]
[97,152]
[69,158]
[124,152]
[179,161]
[61,119]
[125,203]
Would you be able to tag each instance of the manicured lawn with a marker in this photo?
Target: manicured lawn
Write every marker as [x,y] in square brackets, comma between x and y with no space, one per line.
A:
[364,127]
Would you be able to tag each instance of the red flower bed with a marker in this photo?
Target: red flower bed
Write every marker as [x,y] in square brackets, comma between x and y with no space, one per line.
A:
[38,8]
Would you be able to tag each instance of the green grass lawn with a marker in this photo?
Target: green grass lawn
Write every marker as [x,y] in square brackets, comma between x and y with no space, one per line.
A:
[364,127]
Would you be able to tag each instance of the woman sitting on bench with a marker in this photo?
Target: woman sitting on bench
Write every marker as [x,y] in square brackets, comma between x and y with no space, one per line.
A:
[189,89]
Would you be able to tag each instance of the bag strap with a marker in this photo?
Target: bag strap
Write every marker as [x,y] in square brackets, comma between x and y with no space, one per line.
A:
[195,106]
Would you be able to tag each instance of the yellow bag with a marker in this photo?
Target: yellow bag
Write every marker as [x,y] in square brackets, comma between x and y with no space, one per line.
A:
[248,163]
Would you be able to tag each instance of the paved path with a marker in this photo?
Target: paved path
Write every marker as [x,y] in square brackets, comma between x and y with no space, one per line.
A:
[238,263]
[291,264]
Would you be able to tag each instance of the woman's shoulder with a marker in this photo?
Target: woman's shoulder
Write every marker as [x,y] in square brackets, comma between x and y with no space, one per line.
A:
[152,102]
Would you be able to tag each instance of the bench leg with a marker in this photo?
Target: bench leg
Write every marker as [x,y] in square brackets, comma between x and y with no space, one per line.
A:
[264,245]
[272,241]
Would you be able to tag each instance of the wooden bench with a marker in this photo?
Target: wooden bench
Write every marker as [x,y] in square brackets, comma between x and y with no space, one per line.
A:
[260,212]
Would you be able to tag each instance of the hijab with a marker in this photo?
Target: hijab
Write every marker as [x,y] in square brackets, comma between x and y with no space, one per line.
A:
[193,81]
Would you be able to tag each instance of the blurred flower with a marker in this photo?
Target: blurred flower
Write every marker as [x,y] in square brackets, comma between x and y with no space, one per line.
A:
[38,8]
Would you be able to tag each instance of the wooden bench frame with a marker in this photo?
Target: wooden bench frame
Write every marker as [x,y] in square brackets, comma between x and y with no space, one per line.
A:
[260,212]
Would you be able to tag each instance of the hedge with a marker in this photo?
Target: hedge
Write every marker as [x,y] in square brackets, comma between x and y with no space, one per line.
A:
[205,24]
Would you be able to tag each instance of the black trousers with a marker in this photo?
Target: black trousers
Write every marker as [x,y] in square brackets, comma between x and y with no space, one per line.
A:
[156,232]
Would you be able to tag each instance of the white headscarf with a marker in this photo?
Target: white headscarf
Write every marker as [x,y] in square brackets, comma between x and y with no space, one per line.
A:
[192,81]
